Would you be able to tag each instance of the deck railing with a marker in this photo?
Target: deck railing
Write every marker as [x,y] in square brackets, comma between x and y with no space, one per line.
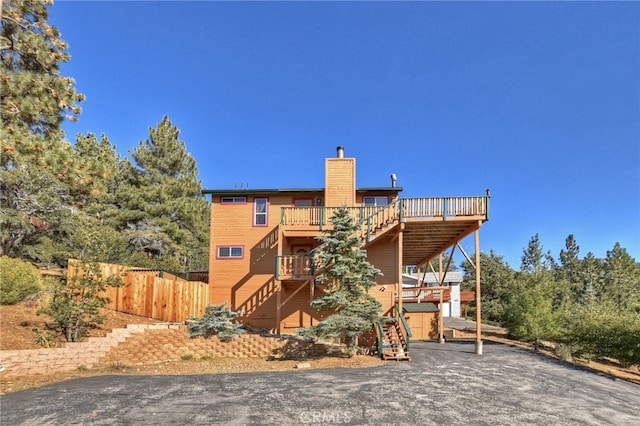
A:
[294,266]
[424,294]
[404,208]
[321,216]
[444,207]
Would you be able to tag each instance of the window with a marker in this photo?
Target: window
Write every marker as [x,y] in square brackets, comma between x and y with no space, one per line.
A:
[377,201]
[230,252]
[260,211]
[233,200]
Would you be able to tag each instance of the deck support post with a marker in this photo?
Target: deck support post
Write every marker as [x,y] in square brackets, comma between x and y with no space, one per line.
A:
[478,346]
[399,274]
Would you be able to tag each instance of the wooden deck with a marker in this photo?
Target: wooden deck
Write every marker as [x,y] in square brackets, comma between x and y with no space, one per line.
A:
[428,225]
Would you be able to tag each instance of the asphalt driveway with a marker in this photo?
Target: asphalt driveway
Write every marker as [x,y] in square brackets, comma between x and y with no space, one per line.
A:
[444,384]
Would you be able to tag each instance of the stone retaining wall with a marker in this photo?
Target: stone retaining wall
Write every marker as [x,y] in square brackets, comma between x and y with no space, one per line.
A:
[145,344]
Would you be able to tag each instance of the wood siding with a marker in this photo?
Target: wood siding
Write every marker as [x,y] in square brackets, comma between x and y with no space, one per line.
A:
[340,182]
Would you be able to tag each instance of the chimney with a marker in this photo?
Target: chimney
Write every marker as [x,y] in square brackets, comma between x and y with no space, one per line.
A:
[340,151]
[393,180]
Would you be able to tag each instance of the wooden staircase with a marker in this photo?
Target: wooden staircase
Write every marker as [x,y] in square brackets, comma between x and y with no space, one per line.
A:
[379,222]
[394,345]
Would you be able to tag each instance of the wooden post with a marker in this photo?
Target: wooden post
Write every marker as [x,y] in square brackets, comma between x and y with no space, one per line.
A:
[441,316]
[277,282]
[440,313]
[478,313]
[399,275]
[278,298]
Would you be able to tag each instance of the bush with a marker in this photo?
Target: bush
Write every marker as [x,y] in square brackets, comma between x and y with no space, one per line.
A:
[217,319]
[75,303]
[605,331]
[18,279]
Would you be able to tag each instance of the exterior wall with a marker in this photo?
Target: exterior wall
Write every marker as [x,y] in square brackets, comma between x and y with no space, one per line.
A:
[455,311]
[297,312]
[424,325]
[384,256]
[340,182]
[248,283]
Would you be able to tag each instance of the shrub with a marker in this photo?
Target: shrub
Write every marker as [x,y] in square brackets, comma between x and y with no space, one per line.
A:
[18,279]
[217,319]
[605,331]
[75,303]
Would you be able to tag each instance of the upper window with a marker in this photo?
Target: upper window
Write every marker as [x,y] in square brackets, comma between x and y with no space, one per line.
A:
[233,200]
[230,252]
[377,201]
[260,211]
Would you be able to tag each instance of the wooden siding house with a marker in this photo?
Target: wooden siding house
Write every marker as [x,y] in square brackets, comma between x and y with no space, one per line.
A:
[261,259]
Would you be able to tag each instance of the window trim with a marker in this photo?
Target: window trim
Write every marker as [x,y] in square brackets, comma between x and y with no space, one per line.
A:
[233,200]
[230,247]
[265,213]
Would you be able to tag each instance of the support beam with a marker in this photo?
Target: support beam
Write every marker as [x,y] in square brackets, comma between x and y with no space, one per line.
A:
[278,297]
[399,273]
[478,312]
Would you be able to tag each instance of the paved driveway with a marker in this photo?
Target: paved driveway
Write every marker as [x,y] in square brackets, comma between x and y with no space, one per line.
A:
[443,385]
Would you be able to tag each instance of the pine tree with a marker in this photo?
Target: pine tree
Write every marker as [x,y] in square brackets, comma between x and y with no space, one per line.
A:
[498,282]
[569,269]
[163,212]
[347,276]
[37,166]
[621,279]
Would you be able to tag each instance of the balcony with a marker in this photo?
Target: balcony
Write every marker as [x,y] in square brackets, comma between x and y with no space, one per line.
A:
[429,225]
[442,208]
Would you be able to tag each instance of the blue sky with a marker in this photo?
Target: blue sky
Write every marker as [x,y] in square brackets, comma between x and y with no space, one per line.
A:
[538,101]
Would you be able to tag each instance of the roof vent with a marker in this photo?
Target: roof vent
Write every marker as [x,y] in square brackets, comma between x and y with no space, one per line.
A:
[340,151]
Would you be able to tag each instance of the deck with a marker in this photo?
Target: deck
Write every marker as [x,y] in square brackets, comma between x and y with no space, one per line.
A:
[428,225]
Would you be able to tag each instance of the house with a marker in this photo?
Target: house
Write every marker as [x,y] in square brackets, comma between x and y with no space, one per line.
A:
[417,288]
[261,259]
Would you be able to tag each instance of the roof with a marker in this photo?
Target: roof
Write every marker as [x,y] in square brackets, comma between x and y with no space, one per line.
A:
[248,191]
[419,307]
[431,278]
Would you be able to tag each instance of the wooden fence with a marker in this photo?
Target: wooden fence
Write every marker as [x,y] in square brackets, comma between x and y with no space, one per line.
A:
[153,294]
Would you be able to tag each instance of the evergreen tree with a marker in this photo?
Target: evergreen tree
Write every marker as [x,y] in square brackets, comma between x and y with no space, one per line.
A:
[533,259]
[539,306]
[621,279]
[37,166]
[570,269]
[347,276]
[497,283]
[532,313]
[592,274]
[163,213]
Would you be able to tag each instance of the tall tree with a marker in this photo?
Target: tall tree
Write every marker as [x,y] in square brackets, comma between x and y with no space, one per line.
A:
[621,279]
[347,276]
[570,270]
[497,283]
[163,212]
[532,313]
[37,165]
[533,258]
[593,273]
